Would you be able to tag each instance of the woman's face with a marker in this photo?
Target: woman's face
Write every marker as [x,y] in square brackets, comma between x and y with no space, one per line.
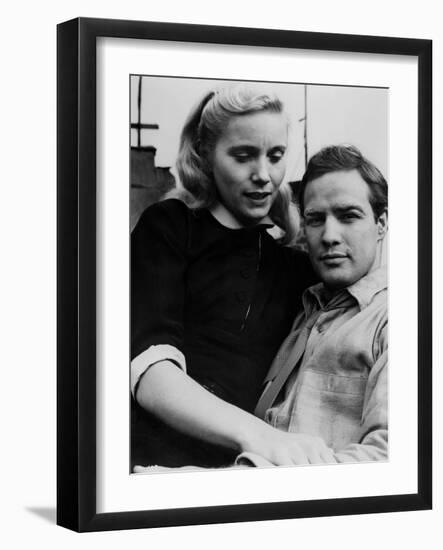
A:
[248,164]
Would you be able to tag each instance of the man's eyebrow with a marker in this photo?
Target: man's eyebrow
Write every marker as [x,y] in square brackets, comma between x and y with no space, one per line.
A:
[339,209]
[347,207]
[313,212]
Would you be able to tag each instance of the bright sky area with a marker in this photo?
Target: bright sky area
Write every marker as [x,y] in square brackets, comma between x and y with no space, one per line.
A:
[335,114]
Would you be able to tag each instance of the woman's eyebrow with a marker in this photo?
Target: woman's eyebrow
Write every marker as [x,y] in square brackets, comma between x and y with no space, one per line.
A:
[252,148]
[244,147]
[279,147]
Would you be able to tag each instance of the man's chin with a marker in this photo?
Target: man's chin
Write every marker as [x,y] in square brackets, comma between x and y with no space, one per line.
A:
[335,281]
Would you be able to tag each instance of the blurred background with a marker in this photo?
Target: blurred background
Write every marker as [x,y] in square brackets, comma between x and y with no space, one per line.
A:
[319,115]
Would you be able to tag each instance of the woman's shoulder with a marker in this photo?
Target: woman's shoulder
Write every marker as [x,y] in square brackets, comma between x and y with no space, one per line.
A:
[302,266]
[167,207]
[168,214]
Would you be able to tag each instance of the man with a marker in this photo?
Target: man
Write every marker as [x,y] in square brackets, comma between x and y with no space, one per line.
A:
[329,379]
[327,387]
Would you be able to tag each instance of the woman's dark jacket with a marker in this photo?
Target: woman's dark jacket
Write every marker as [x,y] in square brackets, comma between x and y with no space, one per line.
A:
[226,298]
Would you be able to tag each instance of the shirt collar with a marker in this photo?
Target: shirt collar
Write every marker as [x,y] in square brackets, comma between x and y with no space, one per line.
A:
[362,292]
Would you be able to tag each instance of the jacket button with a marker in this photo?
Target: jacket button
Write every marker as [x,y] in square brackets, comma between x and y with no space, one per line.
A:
[245,273]
[241,296]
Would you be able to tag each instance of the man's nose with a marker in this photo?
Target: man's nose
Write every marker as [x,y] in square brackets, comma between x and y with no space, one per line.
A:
[331,232]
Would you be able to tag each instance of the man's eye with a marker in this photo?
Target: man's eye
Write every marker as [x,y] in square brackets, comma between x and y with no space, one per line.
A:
[313,222]
[348,218]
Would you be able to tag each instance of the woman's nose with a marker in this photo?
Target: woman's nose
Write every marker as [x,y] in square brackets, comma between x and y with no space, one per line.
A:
[260,175]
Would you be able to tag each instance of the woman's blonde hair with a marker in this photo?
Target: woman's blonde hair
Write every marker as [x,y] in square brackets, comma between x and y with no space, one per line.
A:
[204,126]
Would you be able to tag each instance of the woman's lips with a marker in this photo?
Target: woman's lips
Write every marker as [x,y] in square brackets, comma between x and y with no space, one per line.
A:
[257,196]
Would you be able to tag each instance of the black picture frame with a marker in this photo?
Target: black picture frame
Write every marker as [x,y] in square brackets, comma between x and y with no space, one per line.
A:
[76,279]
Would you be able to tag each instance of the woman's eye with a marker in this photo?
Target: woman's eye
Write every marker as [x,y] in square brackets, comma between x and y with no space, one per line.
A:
[242,157]
[276,157]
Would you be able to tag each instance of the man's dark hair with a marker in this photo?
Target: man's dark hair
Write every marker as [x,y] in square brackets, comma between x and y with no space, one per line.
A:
[347,157]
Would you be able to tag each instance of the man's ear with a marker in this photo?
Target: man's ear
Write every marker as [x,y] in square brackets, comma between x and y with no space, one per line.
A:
[382,225]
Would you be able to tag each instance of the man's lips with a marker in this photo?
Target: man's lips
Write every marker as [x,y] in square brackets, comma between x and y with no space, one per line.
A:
[333,256]
[333,259]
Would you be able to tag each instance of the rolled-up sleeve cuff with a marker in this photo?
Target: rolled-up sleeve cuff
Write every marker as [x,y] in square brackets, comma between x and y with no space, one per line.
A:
[154,354]
[252,460]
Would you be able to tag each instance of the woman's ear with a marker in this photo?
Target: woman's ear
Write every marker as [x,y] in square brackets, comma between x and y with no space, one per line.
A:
[206,159]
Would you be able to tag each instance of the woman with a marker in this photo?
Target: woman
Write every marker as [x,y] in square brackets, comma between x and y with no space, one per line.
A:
[213,293]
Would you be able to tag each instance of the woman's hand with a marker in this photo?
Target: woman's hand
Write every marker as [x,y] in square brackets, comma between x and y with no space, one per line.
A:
[286,449]
[179,401]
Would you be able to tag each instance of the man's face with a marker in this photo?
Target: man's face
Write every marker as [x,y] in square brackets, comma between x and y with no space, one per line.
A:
[341,231]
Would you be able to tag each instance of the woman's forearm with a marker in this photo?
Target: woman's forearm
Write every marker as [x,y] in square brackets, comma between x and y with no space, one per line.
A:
[167,392]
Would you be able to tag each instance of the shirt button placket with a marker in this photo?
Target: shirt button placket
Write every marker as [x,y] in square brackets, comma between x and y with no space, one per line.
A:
[243,294]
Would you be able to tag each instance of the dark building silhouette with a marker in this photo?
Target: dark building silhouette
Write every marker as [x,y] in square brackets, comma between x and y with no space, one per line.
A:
[148,182]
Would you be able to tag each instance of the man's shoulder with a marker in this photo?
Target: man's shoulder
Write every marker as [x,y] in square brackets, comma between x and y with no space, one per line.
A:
[371,290]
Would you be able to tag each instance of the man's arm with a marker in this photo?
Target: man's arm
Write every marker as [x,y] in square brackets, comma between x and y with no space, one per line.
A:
[373,434]
[373,439]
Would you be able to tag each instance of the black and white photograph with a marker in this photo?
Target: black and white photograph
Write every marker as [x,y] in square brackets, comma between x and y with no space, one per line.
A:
[236,283]
[221,266]
[259,292]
